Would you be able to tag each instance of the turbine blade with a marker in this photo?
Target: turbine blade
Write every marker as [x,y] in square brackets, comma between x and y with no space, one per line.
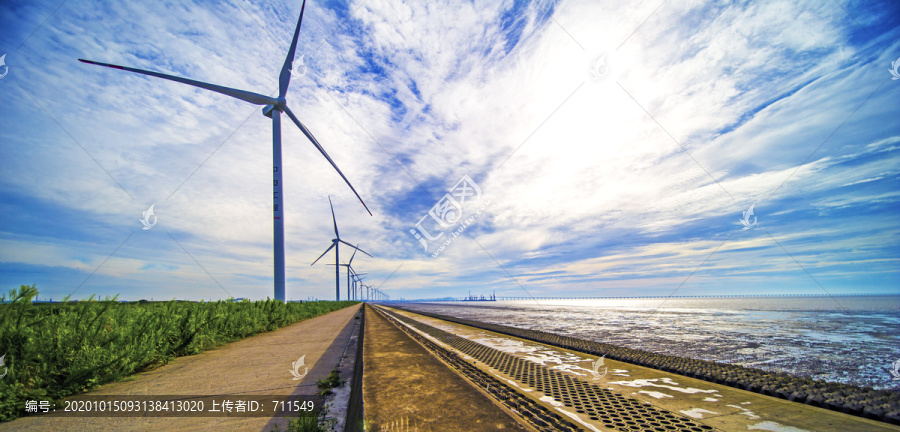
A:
[254,98]
[322,150]
[354,247]
[284,80]
[333,219]
[323,253]
[351,256]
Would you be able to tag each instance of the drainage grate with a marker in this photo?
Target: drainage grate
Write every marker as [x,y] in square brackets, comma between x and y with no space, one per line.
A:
[613,410]
[540,417]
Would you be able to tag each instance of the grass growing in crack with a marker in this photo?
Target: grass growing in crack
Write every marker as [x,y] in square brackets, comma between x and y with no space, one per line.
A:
[333,380]
[321,423]
[55,350]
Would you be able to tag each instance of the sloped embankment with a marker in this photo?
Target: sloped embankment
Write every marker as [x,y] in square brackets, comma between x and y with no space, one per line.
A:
[883,405]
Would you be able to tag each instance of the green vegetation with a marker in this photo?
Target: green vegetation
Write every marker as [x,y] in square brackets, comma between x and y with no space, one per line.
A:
[54,350]
[333,380]
[320,423]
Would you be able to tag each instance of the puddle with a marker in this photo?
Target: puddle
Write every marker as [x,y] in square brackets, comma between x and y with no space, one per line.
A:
[745,411]
[578,419]
[667,383]
[551,401]
[657,395]
[697,413]
[775,427]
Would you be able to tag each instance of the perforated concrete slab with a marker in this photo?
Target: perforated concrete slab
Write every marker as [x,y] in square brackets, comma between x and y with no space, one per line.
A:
[628,397]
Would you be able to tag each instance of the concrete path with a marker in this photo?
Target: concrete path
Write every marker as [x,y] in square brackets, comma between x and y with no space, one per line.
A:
[406,389]
[259,365]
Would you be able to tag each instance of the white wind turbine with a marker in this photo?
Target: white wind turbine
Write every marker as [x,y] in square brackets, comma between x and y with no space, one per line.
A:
[357,277]
[273,107]
[358,285]
[350,296]
[336,245]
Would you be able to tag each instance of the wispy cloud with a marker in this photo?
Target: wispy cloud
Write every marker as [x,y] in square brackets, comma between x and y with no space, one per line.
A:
[617,186]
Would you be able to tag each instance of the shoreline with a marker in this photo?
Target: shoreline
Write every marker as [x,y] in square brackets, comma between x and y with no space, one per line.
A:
[855,347]
[651,297]
[882,405]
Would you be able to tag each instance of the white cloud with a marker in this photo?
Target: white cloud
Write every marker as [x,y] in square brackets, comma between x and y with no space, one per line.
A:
[749,90]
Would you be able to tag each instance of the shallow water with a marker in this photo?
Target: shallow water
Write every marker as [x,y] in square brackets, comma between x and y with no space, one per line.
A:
[852,340]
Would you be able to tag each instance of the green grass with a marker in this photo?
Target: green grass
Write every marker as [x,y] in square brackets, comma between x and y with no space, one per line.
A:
[333,380]
[322,422]
[310,424]
[54,350]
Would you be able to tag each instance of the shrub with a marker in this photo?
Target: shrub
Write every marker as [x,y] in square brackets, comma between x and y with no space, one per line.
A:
[54,350]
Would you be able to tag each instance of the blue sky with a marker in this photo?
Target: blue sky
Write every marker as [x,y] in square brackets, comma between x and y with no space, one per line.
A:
[623,177]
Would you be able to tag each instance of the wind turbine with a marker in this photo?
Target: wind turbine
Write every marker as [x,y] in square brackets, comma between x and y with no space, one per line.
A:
[363,290]
[349,269]
[355,280]
[336,245]
[358,285]
[273,107]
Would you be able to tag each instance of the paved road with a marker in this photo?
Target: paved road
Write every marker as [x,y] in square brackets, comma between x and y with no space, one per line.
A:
[405,388]
[259,365]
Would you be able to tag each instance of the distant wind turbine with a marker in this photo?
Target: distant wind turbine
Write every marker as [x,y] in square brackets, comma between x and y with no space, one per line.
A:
[349,270]
[356,294]
[358,285]
[273,109]
[336,245]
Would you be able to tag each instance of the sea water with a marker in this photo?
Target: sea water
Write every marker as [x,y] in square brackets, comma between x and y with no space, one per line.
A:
[846,339]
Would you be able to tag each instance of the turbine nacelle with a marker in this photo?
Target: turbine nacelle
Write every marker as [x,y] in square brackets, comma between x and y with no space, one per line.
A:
[280,104]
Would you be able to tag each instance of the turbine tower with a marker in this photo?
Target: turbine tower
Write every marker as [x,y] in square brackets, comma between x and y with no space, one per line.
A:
[273,107]
[358,285]
[349,271]
[336,245]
